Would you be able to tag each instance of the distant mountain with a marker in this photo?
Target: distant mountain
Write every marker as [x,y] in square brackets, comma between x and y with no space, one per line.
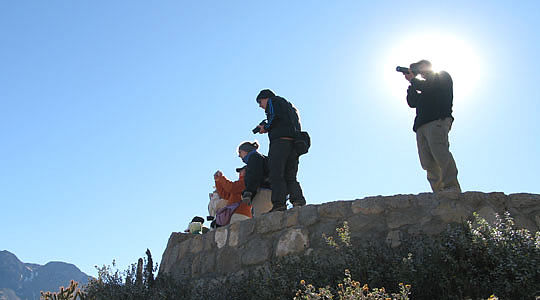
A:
[24,281]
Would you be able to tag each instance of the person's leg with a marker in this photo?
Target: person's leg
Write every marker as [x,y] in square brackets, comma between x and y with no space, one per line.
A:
[426,158]
[440,149]
[262,202]
[277,159]
[296,195]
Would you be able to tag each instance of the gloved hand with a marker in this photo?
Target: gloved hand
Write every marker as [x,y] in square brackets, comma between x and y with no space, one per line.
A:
[246,197]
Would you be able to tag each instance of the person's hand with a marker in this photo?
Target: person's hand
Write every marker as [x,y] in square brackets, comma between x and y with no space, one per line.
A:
[409,76]
[262,130]
[246,198]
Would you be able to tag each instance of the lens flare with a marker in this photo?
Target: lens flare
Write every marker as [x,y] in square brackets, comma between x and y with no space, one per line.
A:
[445,52]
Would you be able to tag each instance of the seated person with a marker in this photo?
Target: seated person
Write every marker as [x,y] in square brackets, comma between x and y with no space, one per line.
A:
[215,204]
[196,226]
[257,192]
[232,192]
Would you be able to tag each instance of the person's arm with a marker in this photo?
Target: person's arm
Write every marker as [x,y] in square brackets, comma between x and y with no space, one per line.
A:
[229,187]
[220,188]
[271,112]
[412,96]
[254,173]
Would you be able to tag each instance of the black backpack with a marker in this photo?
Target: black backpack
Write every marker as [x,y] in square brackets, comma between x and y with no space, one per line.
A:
[302,140]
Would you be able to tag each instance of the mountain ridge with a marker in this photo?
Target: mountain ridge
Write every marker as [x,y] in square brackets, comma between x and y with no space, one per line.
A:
[25,281]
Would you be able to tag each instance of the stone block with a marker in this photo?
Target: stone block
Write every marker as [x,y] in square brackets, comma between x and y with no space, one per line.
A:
[372,206]
[196,265]
[394,238]
[208,262]
[269,222]
[399,218]
[292,241]
[197,243]
[221,236]
[308,215]
[427,200]
[182,269]
[234,233]
[328,228]
[524,201]
[398,201]
[290,217]
[337,210]
[365,225]
[450,211]
[227,260]
[209,241]
[256,251]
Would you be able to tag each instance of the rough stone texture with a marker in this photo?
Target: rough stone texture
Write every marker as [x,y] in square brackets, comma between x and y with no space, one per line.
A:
[251,244]
[256,252]
[221,236]
[269,222]
[292,242]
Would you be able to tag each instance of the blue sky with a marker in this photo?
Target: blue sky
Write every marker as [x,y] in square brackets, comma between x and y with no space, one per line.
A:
[115,114]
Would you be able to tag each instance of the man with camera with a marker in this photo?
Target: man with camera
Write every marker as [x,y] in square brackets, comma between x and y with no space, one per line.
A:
[432,97]
[282,126]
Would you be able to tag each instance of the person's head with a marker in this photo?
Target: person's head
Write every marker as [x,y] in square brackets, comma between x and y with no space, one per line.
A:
[422,67]
[262,98]
[198,219]
[246,147]
[241,171]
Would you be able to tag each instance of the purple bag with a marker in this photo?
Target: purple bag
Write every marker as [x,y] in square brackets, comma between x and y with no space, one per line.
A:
[223,215]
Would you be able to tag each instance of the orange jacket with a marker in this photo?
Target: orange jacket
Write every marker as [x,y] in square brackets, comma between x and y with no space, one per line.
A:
[232,192]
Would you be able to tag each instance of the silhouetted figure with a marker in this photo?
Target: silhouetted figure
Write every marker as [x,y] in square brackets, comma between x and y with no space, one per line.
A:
[432,97]
[283,125]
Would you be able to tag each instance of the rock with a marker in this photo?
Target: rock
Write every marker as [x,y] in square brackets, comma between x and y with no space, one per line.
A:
[290,217]
[268,222]
[228,260]
[221,236]
[293,241]
[256,251]
[372,206]
[197,243]
[339,209]
[308,215]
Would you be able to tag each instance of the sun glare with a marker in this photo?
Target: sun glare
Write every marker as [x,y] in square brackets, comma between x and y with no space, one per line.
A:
[445,52]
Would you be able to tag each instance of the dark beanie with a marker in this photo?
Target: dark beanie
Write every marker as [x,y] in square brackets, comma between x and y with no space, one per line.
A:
[265,94]
[197,219]
[248,146]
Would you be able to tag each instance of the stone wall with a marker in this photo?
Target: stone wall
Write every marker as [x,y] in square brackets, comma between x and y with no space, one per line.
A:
[249,244]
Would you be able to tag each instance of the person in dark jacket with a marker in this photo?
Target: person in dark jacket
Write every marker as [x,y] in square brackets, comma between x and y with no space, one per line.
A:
[432,97]
[258,191]
[283,125]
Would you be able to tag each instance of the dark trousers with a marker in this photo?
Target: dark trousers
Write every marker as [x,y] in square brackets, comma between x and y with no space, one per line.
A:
[283,165]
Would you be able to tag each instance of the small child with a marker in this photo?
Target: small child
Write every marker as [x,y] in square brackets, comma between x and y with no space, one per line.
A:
[196,226]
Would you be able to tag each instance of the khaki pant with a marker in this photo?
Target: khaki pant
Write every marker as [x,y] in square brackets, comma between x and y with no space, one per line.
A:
[262,202]
[435,156]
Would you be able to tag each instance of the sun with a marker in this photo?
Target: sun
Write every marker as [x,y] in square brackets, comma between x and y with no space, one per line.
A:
[446,52]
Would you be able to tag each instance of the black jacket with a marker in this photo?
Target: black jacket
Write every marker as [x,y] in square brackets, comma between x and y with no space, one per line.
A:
[283,119]
[432,98]
[256,173]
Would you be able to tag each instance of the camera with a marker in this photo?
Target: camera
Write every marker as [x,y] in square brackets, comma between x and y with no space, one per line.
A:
[414,69]
[257,129]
